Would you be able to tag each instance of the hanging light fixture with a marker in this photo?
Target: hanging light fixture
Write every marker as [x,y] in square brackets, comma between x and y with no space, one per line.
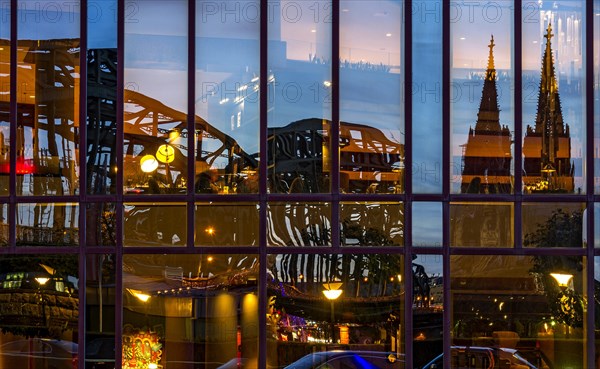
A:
[148,163]
[165,153]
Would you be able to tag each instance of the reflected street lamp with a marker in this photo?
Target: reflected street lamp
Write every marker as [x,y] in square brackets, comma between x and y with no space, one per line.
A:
[143,297]
[332,291]
[562,279]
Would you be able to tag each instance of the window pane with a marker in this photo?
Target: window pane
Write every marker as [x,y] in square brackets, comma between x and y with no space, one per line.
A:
[299,96]
[553,225]
[48,224]
[152,224]
[4,225]
[506,302]
[100,310]
[184,311]
[428,305]
[39,301]
[427,224]
[371,100]
[226,224]
[363,317]
[299,224]
[481,225]
[553,97]
[427,96]
[101,222]
[481,98]
[377,224]
[155,111]
[227,82]
[4,96]
[101,126]
[48,111]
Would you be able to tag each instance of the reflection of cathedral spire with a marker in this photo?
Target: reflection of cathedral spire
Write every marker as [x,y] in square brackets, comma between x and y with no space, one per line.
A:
[486,155]
[488,118]
[547,147]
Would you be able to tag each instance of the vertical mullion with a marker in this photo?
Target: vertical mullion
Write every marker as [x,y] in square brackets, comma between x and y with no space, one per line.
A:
[83,45]
[589,157]
[518,118]
[119,185]
[446,178]
[590,285]
[12,186]
[191,119]
[335,125]
[262,170]
[406,41]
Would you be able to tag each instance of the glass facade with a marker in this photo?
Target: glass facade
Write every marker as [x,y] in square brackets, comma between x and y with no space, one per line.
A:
[198,184]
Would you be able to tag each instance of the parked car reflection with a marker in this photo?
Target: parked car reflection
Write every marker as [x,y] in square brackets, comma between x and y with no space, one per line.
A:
[491,357]
[350,360]
[39,353]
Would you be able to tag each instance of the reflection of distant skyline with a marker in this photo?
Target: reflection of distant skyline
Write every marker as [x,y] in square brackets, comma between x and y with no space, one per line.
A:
[302,31]
[467,23]
[470,55]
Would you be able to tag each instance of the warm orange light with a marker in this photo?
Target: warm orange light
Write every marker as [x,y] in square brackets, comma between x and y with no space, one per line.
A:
[562,279]
[210,258]
[332,290]
[165,154]
[332,294]
[42,280]
[143,297]
[210,230]
[148,163]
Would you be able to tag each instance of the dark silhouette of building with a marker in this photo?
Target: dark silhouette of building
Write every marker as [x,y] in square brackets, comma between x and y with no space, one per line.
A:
[547,146]
[486,155]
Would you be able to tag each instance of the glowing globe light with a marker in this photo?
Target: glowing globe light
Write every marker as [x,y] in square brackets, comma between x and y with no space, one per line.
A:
[148,163]
[165,154]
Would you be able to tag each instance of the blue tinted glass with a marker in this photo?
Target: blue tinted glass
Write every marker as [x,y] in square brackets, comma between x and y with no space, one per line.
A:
[427,97]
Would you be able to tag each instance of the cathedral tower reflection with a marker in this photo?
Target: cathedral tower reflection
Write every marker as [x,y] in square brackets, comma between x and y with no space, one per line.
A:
[547,165]
[547,146]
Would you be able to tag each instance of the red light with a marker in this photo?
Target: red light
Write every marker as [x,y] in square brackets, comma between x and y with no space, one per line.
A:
[24,166]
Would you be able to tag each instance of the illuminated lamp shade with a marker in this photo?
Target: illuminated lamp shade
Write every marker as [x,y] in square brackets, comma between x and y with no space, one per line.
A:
[562,279]
[332,294]
[148,163]
[42,280]
[332,290]
[165,153]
